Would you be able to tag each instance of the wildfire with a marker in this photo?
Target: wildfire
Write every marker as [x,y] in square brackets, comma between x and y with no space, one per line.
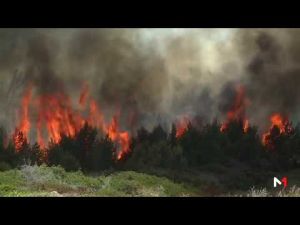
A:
[20,135]
[19,140]
[237,111]
[281,123]
[56,117]
[121,138]
[181,127]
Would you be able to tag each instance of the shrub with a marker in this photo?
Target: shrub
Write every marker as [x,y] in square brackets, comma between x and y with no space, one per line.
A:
[37,175]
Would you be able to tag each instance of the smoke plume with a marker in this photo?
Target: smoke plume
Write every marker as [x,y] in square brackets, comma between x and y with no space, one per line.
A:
[154,75]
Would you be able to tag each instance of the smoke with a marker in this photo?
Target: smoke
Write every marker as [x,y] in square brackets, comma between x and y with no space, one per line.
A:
[154,75]
[273,74]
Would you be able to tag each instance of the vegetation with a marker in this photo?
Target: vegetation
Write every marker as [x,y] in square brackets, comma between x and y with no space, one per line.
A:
[45,181]
[203,156]
[55,181]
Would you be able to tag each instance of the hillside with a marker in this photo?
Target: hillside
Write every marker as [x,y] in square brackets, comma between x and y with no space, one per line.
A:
[54,181]
[43,181]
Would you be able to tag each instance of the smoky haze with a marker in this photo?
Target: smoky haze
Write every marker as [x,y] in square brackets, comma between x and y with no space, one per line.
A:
[154,75]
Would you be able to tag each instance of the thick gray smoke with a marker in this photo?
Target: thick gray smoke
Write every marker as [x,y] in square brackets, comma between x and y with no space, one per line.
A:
[154,75]
[274,75]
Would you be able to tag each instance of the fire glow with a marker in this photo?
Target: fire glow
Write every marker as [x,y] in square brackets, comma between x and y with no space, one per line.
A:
[56,117]
[182,126]
[237,111]
[20,136]
[281,123]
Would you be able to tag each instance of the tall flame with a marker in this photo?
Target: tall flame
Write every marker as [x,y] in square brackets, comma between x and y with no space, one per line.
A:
[122,138]
[237,111]
[21,133]
[57,117]
[56,113]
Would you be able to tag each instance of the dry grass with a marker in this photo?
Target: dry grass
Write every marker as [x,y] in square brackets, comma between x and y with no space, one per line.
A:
[293,191]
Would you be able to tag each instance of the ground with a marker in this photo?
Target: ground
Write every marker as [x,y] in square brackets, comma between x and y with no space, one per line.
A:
[55,181]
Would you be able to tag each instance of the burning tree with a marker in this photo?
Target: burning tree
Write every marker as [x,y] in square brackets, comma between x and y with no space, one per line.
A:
[83,138]
[57,119]
[182,126]
[237,111]
[280,127]
[20,141]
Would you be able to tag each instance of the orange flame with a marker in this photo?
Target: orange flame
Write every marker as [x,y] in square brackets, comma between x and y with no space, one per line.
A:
[20,135]
[279,121]
[95,116]
[56,117]
[122,138]
[56,113]
[25,122]
[19,140]
[237,111]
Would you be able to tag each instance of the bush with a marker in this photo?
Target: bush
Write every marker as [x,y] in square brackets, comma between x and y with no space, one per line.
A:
[38,175]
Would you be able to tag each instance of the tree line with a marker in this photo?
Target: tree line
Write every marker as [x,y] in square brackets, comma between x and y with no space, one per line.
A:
[158,149]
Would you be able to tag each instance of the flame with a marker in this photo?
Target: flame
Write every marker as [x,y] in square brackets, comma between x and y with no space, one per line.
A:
[56,117]
[122,138]
[95,116]
[181,126]
[56,113]
[238,110]
[21,133]
[40,139]
[25,122]
[279,121]
[19,140]
[246,126]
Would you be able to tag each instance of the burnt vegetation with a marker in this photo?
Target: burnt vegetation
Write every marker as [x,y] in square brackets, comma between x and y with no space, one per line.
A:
[198,149]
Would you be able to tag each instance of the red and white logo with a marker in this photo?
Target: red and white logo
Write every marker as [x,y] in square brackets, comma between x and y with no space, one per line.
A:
[283,181]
